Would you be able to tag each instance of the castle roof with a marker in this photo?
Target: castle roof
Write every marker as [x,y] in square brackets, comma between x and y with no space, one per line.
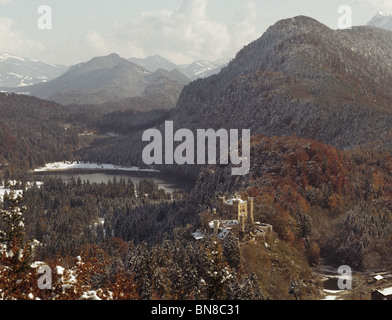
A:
[232,200]
[230,222]
[198,235]
[386,291]
[225,232]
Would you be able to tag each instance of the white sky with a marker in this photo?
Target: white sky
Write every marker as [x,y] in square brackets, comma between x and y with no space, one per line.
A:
[180,30]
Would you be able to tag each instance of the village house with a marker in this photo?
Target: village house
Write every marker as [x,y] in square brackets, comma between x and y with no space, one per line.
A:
[382,294]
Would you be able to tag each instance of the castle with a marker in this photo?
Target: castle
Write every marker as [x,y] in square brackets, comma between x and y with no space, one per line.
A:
[236,209]
[235,216]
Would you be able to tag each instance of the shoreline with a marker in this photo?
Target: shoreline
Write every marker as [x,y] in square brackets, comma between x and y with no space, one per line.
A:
[69,166]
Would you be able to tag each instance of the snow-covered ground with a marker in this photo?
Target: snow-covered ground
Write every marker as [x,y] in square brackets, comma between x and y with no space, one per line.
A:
[66,165]
[3,189]
[332,294]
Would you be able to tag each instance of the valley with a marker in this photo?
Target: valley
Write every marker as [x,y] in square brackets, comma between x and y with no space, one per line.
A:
[314,108]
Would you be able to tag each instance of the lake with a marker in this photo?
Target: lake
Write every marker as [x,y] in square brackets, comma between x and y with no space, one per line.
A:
[169,185]
[102,173]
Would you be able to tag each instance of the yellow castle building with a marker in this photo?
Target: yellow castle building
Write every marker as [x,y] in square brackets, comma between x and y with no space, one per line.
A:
[236,209]
[235,216]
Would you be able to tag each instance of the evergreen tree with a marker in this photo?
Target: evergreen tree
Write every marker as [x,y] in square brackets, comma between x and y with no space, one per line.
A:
[15,252]
[257,293]
[218,274]
[12,238]
[162,284]
[176,277]
[141,265]
[233,291]
[200,291]
[231,251]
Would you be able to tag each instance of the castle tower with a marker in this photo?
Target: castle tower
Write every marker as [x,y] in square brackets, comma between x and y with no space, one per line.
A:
[216,227]
[251,218]
[242,223]
[236,207]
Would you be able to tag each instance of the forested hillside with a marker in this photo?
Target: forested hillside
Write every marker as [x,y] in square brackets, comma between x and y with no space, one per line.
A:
[123,246]
[335,205]
[300,78]
[33,131]
[325,206]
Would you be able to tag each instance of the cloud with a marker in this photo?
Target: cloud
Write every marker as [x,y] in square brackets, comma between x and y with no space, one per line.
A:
[5,2]
[243,28]
[97,42]
[15,42]
[181,35]
[384,6]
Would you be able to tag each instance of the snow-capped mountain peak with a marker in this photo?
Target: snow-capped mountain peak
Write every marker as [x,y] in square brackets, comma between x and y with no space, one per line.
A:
[19,72]
[6,56]
[381,20]
[197,69]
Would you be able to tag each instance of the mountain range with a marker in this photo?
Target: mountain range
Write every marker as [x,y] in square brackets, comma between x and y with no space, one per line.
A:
[101,80]
[197,69]
[107,79]
[20,72]
[35,77]
[300,78]
[202,68]
[297,79]
[153,63]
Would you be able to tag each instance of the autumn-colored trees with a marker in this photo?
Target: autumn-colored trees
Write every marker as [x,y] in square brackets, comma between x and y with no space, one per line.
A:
[305,189]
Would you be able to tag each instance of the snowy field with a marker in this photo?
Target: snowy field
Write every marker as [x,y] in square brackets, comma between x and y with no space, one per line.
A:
[63,166]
